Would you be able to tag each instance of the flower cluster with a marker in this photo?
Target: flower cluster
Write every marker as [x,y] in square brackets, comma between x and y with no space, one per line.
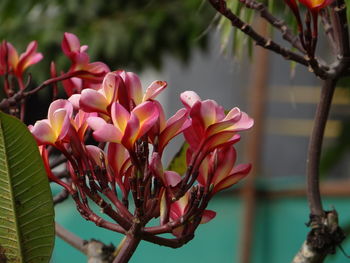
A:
[123,162]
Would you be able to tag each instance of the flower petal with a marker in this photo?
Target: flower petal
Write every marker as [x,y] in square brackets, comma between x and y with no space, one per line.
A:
[233,178]
[175,125]
[220,139]
[244,123]
[43,132]
[110,86]
[226,160]
[207,216]
[120,116]
[154,89]
[29,57]
[92,100]
[189,98]
[117,155]
[95,153]
[70,43]
[59,104]
[147,114]
[131,133]
[172,178]
[75,99]
[133,84]
[107,133]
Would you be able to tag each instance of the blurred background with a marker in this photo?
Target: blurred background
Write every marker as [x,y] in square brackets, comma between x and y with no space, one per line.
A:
[186,44]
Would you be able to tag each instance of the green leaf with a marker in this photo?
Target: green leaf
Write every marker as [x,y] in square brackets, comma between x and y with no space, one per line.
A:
[27,228]
[178,163]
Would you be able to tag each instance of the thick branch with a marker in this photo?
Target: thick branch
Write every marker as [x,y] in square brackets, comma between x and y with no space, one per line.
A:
[96,251]
[128,248]
[315,146]
[321,241]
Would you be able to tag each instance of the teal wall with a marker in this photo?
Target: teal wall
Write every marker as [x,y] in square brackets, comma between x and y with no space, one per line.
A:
[279,231]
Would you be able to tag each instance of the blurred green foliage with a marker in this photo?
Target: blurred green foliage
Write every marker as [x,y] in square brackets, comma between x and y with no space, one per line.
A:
[132,34]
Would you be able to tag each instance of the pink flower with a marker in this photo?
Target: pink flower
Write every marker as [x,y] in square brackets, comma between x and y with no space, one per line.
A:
[56,126]
[100,100]
[168,178]
[81,61]
[218,170]
[130,94]
[210,127]
[120,165]
[164,131]
[18,64]
[126,127]
[80,124]
[179,208]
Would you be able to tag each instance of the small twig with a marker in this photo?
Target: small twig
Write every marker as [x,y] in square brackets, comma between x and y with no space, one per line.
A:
[220,5]
[342,27]
[328,29]
[275,22]
[20,95]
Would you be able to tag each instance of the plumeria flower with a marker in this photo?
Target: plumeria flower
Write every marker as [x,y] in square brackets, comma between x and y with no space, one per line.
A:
[120,165]
[80,61]
[131,94]
[165,130]
[55,128]
[179,208]
[218,170]
[168,178]
[121,86]
[80,124]
[18,64]
[210,126]
[4,67]
[126,128]
[100,100]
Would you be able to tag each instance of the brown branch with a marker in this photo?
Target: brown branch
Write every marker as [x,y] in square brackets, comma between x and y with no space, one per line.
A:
[129,245]
[328,29]
[168,242]
[275,22]
[96,251]
[319,69]
[331,235]
[220,6]
[21,95]
[315,146]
